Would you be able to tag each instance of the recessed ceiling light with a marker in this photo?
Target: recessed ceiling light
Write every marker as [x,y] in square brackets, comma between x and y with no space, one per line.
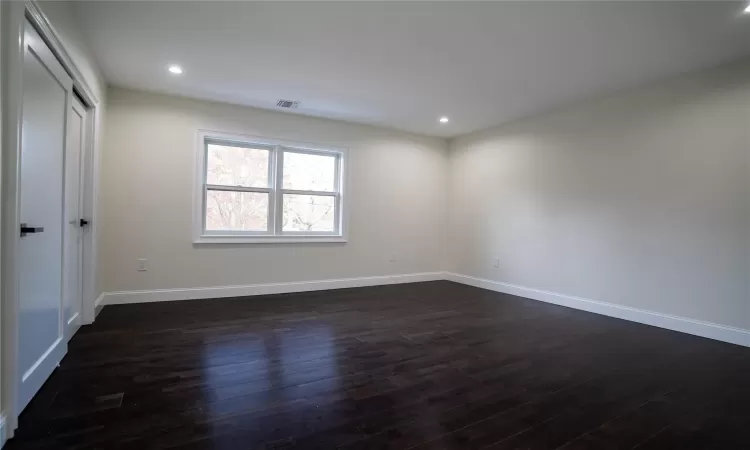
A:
[443,119]
[177,70]
[747,9]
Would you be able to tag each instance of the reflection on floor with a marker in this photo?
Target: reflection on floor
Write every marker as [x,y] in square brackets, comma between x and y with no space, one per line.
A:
[425,365]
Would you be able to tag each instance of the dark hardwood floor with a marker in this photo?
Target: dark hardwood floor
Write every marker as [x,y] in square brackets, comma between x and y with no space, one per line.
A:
[428,365]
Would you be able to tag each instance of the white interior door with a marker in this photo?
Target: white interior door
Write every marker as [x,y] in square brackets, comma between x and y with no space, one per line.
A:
[73,226]
[46,94]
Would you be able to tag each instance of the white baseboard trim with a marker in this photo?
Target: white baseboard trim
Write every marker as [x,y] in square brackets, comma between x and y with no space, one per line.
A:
[685,325]
[161,295]
[99,300]
[691,326]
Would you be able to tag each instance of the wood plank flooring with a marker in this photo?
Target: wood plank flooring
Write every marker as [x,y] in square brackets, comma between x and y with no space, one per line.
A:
[433,365]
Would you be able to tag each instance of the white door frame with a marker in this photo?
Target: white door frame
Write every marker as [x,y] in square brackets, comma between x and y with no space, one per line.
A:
[13,16]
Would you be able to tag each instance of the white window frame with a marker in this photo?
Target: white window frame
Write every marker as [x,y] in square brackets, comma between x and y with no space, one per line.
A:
[275,191]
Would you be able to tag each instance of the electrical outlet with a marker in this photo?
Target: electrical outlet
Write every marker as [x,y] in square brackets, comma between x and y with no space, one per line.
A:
[495,262]
[142,267]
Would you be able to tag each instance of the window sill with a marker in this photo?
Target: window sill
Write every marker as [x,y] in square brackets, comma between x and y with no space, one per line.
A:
[269,239]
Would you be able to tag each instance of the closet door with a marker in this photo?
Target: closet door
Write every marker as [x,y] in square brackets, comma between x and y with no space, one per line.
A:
[46,96]
[74,223]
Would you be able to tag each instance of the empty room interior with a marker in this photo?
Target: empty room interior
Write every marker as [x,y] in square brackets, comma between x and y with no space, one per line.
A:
[375,225]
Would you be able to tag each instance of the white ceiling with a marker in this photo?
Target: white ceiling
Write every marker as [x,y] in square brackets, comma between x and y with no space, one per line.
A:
[404,64]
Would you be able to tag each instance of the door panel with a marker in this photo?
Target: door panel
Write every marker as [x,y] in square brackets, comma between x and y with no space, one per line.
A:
[46,90]
[72,281]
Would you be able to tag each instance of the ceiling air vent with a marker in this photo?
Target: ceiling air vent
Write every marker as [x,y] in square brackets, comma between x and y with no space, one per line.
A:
[287,104]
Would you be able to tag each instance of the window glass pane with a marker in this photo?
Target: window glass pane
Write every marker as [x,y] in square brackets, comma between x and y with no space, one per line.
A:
[306,172]
[309,213]
[237,166]
[236,211]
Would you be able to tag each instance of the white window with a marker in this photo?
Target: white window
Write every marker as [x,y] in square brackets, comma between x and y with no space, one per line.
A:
[263,190]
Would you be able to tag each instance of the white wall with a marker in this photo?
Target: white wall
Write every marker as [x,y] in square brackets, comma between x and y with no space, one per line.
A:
[396,186]
[60,15]
[641,199]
